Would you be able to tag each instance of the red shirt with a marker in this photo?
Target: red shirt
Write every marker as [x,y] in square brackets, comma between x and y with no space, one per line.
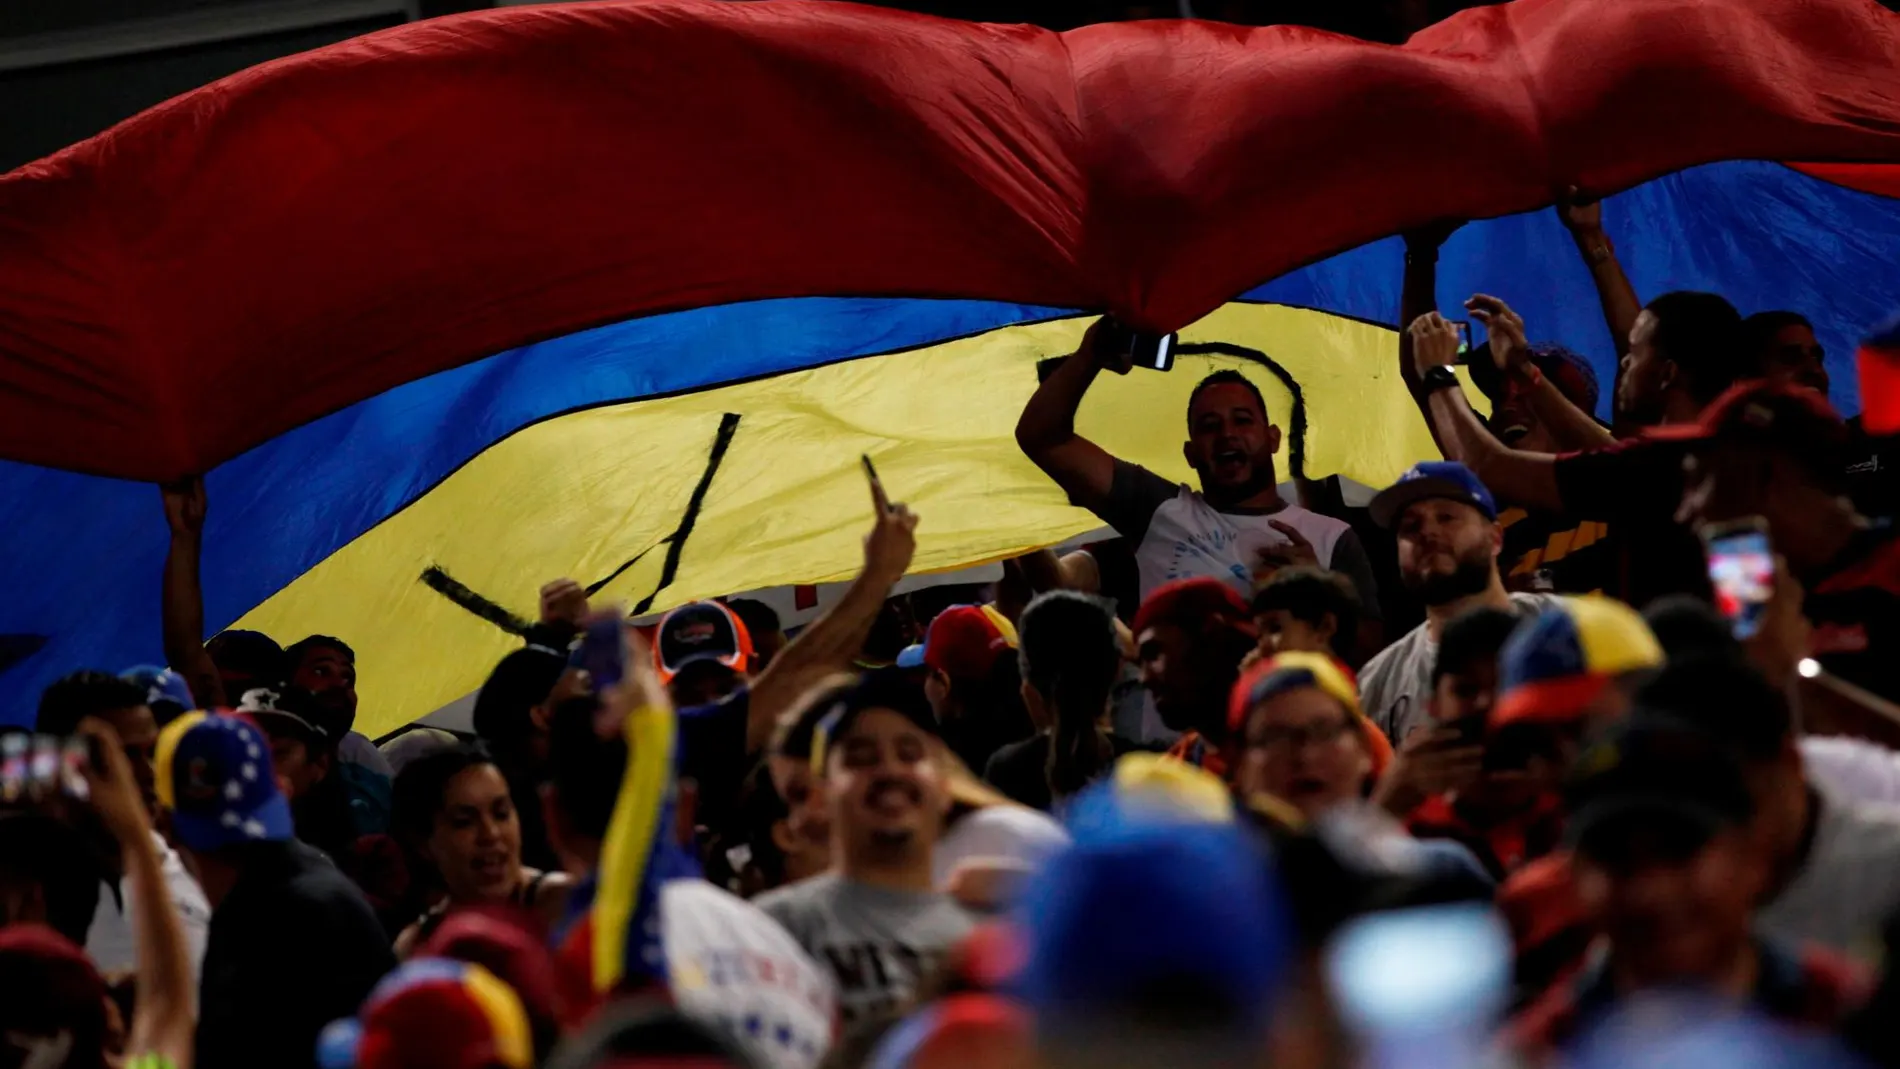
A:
[1194,748]
[1503,846]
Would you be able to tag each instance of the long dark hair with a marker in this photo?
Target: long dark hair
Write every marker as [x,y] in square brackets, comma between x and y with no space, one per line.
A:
[1071,656]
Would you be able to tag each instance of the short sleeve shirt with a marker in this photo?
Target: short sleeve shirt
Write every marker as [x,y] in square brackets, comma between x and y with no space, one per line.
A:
[1636,486]
[1178,535]
[1395,686]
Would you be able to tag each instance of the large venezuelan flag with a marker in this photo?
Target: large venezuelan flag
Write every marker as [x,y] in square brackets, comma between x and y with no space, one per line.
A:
[620,291]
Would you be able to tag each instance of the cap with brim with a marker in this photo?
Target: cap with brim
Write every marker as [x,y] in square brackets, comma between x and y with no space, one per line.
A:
[267,708]
[163,687]
[1432,479]
[698,632]
[1556,664]
[912,656]
[1784,415]
[885,688]
[214,776]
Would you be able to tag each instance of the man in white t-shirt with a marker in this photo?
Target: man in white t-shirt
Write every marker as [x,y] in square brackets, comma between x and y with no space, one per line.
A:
[1449,541]
[1233,528]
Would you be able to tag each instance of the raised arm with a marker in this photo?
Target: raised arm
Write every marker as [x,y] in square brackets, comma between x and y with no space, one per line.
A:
[1418,293]
[181,595]
[1527,479]
[1583,217]
[1569,426]
[1046,430]
[166,1015]
[831,642]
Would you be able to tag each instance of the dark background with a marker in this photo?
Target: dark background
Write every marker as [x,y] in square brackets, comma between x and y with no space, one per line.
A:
[71,68]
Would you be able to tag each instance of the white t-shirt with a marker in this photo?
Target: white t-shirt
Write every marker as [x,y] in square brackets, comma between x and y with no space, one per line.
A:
[1396,686]
[732,966]
[1849,884]
[1853,770]
[111,943]
[1011,832]
[1178,535]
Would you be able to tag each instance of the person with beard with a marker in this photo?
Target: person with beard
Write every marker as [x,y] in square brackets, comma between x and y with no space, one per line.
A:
[1191,637]
[876,921]
[1685,350]
[1449,540]
[1236,527]
[326,668]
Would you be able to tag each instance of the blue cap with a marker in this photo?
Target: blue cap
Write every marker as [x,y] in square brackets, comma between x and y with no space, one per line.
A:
[162,686]
[911,657]
[214,776]
[1432,478]
[1094,940]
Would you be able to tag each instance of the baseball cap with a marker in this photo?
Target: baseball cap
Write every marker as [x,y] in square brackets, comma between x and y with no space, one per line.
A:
[1566,369]
[1785,415]
[277,712]
[493,938]
[883,688]
[52,999]
[970,1029]
[252,655]
[1427,479]
[1656,773]
[432,1013]
[1557,663]
[166,692]
[1094,949]
[701,632]
[214,776]
[963,642]
[1190,603]
[1297,669]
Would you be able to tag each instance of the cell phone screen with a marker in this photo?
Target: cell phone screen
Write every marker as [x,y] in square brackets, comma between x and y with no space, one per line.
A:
[602,653]
[1464,334]
[1422,987]
[1742,571]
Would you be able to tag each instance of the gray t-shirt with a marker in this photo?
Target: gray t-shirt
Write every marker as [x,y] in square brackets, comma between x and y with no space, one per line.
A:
[1849,883]
[876,943]
[1396,686]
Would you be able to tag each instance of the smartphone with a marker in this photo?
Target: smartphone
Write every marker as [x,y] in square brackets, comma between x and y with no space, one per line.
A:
[43,767]
[76,756]
[1422,987]
[1152,351]
[14,750]
[1464,335]
[1742,571]
[602,653]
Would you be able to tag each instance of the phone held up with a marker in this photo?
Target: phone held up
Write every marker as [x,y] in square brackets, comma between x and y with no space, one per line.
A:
[1152,351]
[1742,571]
[36,767]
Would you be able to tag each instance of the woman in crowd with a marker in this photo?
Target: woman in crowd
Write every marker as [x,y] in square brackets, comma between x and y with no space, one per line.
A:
[1071,657]
[458,824]
[1304,740]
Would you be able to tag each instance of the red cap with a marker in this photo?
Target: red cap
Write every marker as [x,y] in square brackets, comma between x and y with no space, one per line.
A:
[491,937]
[48,986]
[1191,603]
[964,642]
[1788,416]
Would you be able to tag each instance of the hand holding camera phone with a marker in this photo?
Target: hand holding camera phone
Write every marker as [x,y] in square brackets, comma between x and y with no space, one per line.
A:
[1127,347]
[34,768]
[1742,571]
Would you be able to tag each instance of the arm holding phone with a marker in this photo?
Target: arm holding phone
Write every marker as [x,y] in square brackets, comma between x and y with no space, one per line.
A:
[1526,479]
[831,642]
[166,1018]
[1046,430]
[1569,426]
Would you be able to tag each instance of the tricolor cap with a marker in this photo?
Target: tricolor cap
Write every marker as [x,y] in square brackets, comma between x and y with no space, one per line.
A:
[433,1013]
[1556,664]
[1294,670]
[963,642]
[1149,788]
[703,632]
[166,692]
[1790,417]
[214,776]
[958,1032]
[882,688]
[1140,909]
[1432,479]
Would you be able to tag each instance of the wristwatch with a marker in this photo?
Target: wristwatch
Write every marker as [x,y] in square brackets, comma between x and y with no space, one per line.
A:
[1438,378]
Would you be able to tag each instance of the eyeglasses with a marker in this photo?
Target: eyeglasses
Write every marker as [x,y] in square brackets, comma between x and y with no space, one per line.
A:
[1288,739]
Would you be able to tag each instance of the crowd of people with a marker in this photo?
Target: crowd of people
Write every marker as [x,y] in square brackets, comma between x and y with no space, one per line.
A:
[1195,794]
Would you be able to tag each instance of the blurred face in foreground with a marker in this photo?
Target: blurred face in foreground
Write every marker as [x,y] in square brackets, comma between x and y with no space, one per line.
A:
[1675,901]
[885,788]
[1304,747]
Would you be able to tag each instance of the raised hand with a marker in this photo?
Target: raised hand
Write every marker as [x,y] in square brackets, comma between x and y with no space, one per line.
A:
[1434,342]
[1509,350]
[1098,344]
[185,504]
[1296,551]
[564,604]
[112,790]
[1580,214]
[892,541]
